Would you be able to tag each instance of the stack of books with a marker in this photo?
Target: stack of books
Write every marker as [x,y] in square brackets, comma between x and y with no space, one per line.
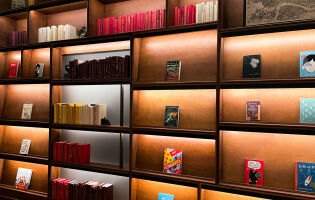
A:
[72,152]
[55,33]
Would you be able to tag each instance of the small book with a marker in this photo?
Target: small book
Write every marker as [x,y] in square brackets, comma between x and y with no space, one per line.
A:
[307,64]
[27,111]
[39,69]
[254,172]
[165,196]
[171,116]
[172,161]
[173,70]
[23,178]
[251,66]
[304,177]
[253,110]
[25,146]
[14,67]
[307,110]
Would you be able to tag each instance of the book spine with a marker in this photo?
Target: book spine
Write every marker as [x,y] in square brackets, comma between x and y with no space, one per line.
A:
[296,177]
[215,11]
[99,27]
[211,11]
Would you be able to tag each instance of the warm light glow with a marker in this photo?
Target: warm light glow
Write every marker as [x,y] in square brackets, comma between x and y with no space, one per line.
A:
[214,195]
[17,56]
[170,139]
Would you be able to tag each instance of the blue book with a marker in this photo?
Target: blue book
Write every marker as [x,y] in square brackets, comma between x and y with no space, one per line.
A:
[166,196]
[307,110]
[307,64]
[305,176]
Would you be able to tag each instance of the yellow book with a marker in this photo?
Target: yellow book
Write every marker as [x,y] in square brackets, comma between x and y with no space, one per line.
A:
[72,111]
[77,113]
[69,114]
[31,2]
[56,113]
[64,113]
[59,113]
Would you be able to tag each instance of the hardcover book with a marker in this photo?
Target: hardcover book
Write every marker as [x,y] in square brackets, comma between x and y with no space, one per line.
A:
[171,116]
[39,69]
[254,172]
[165,196]
[14,67]
[172,161]
[251,66]
[307,110]
[25,146]
[305,176]
[307,64]
[27,111]
[23,178]
[173,70]
[253,110]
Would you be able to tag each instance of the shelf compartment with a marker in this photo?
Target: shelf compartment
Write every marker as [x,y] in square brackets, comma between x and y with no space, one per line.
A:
[197,52]
[24,158]
[6,58]
[148,155]
[9,191]
[39,124]
[33,56]
[216,195]
[199,115]
[115,129]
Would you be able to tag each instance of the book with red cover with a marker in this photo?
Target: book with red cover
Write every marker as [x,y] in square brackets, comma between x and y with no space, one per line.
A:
[254,172]
[82,153]
[54,187]
[153,22]
[132,23]
[173,159]
[162,18]
[191,14]
[60,189]
[14,67]
[176,15]
[128,23]
[158,22]
[65,190]
[59,146]
[124,24]
[99,27]
[141,21]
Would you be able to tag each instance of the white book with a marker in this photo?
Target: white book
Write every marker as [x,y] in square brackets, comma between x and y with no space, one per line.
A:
[48,34]
[207,13]
[73,32]
[39,70]
[211,11]
[198,13]
[23,178]
[91,114]
[203,15]
[25,146]
[27,111]
[61,32]
[215,11]
[100,112]
[40,35]
[54,33]
[82,114]
[44,34]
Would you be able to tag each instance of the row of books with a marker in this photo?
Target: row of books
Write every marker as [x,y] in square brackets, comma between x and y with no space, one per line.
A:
[90,114]
[72,152]
[55,33]
[65,189]
[130,23]
[17,38]
[21,3]
[199,13]
[111,67]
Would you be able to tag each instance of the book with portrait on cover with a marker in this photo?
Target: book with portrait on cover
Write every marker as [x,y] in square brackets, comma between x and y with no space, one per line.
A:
[307,64]
[171,116]
[173,161]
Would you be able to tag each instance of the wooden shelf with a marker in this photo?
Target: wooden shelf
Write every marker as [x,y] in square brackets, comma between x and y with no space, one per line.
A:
[175,85]
[91,81]
[25,81]
[110,128]
[24,123]
[9,191]
[24,158]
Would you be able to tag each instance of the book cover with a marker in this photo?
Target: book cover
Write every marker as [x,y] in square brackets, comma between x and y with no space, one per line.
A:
[173,69]
[27,111]
[23,178]
[39,69]
[171,116]
[307,110]
[253,110]
[251,66]
[172,161]
[254,172]
[165,196]
[25,146]
[305,176]
[14,67]
[307,64]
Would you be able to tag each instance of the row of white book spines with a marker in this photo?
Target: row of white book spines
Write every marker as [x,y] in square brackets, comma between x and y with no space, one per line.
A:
[207,11]
[55,33]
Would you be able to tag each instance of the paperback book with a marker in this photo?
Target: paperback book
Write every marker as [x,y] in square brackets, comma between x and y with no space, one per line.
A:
[14,67]
[25,146]
[27,111]
[305,176]
[173,161]
[253,110]
[307,110]
[251,66]
[23,178]
[171,116]
[165,196]
[39,69]
[173,70]
[254,172]
[307,64]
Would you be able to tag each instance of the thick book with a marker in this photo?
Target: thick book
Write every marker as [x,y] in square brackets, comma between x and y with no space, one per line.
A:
[82,153]
[251,66]
[39,69]
[307,64]
[173,69]
[253,110]
[23,178]
[25,146]
[254,172]
[305,176]
[172,161]
[307,110]
[171,116]
[27,111]
[14,67]
[165,196]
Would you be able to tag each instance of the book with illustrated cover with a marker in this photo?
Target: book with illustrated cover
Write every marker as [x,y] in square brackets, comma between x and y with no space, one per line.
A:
[39,69]
[171,116]
[25,146]
[23,178]
[307,110]
[173,161]
[251,66]
[254,172]
[14,67]
[27,111]
[165,196]
[305,176]
[173,70]
[307,64]
[253,110]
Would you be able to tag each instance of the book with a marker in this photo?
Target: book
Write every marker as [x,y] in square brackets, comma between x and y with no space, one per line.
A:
[307,64]
[39,69]
[305,176]
[27,111]
[25,146]
[171,116]
[307,110]
[165,196]
[254,172]
[14,67]
[173,69]
[251,66]
[253,110]
[172,161]
[23,178]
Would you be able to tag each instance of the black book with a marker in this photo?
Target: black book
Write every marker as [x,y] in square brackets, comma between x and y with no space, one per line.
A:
[251,66]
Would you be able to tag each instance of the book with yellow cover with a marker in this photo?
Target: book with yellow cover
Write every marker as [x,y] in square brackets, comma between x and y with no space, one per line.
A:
[172,161]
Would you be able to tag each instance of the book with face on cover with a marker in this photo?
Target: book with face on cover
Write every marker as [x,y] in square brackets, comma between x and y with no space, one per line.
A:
[171,116]
[165,196]
[27,111]
[172,161]
[25,146]
[23,178]
[307,64]
[39,69]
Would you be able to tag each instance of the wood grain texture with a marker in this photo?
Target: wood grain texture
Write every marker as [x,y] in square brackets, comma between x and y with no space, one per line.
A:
[31,58]
[214,195]
[36,21]
[7,25]
[233,13]
[56,63]
[3,92]
[97,10]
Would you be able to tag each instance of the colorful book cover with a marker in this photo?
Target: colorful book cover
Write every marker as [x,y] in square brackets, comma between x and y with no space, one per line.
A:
[253,110]
[173,70]
[254,172]
[27,111]
[39,69]
[165,196]
[305,176]
[251,66]
[171,116]
[307,110]
[172,161]
[23,178]
[307,64]
[14,67]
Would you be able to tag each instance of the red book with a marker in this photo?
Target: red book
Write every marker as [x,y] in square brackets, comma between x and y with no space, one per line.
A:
[182,15]
[128,23]
[176,16]
[54,187]
[14,67]
[141,21]
[254,172]
[194,14]
[66,153]
[186,15]
[111,25]
[60,146]
[135,22]
[66,189]
[132,20]
[60,188]
[146,21]
[99,27]
[104,26]
[162,18]
[123,24]
[153,22]
[82,153]
[119,28]
[115,25]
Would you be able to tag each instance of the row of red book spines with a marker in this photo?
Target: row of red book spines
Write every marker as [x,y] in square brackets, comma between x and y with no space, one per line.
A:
[72,152]
[129,23]
[185,15]
[17,38]
[64,189]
